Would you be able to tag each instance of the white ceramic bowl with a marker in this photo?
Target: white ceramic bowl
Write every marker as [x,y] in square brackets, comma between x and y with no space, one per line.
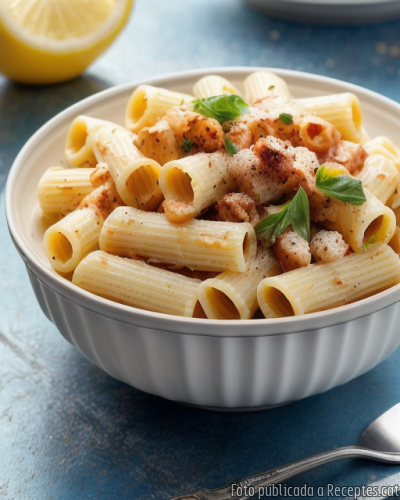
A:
[246,364]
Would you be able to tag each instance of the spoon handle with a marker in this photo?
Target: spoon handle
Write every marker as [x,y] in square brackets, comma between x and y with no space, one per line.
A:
[249,486]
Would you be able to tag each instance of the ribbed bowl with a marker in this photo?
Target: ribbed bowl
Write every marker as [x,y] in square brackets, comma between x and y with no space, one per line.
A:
[227,365]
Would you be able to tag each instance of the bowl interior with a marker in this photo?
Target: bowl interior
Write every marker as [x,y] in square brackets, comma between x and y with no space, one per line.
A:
[381,116]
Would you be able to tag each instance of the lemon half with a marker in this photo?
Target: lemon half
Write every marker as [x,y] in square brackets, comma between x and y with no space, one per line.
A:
[47,41]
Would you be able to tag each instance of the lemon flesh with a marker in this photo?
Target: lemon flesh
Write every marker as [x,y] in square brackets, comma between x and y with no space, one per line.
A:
[47,41]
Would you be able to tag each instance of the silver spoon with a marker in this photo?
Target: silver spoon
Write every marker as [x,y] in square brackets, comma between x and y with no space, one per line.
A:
[379,442]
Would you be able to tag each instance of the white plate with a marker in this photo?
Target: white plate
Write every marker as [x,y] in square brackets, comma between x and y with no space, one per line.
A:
[210,363]
[333,12]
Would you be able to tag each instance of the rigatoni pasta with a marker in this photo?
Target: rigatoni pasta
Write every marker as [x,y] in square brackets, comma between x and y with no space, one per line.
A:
[69,240]
[343,111]
[78,148]
[233,295]
[135,176]
[217,206]
[383,146]
[137,284]
[198,244]
[318,287]
[199,180]
[361,225]
[147,103]
[380,177]
[211,85]
[60,190]
[263,83]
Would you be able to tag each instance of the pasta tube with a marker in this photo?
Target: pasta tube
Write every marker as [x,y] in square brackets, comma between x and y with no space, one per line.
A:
[260,84]
[199,244]
[135,176]
[60,190]
[360,225]
[148,103]
[200,180]
[379,176]
[78,150]
[343,111]
[318,287]
[317,134]
[212,85]
[364,136]
[385,147]
[69,240]
[233,295]
[395,241]
[137,284]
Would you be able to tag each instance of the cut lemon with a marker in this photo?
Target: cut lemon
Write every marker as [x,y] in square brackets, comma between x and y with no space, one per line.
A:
[46,41]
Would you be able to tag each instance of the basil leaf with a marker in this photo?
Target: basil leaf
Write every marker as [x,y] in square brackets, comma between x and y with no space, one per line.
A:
[342,187]
[229,146]
[286,118]
[273,226]
[295,212]
[187,145]
[368,242]
[299,214]
[223,108]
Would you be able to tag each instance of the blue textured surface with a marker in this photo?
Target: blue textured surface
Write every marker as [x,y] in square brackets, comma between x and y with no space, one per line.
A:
[69,431]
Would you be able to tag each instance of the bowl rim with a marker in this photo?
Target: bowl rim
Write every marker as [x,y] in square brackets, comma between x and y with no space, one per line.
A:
[171,323]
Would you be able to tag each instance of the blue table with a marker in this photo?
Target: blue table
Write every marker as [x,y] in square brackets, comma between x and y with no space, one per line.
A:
[69,431]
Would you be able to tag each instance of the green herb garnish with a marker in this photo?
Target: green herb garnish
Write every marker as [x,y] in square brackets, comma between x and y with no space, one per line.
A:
[187,145]
[342,186]
[271,87]
[222,108]
[370,241]
[229,146]
[286,118]
[295,212]
[299,213]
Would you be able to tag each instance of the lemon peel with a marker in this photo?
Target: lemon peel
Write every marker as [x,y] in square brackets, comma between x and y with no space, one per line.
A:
[48,41]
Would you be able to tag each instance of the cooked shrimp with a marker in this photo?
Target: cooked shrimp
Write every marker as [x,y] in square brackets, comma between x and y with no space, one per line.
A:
[240,135]
[159,143]
[178,212]
[237,207]
[201,133]
[100,175]
[274,169]
[328,246]
[103,200]
[352,156]
[292,251]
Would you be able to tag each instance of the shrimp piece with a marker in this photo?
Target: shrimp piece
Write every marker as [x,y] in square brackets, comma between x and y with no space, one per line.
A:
[178,212]
[272,116]
[190,128]
[103,200]
[328,246]
[240,135]
[159,142]
[349,154]
[274,169]
[292,251]
[100,175]
[237,207]
[267,117]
